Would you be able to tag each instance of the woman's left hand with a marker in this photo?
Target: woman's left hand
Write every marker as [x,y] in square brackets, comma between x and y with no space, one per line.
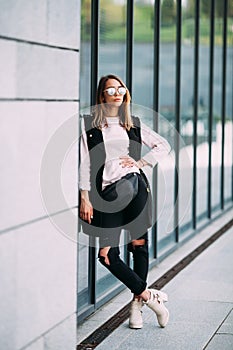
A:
[128,162]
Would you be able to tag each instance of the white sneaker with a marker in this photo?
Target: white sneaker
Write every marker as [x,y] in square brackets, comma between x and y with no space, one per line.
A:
[135,314]
[156,304]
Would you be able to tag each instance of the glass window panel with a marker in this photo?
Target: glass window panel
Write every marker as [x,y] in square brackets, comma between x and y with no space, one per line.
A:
[85,53]
[203,114]
[142,93]
[82,276]
[186,116]
[228,156]
[143,53]
[167,92]
[112,32]
[217,106]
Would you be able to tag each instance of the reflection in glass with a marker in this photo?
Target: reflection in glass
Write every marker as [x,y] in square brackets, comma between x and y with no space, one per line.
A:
[142,93]
[143,43]
[85,53]
[203,114]
[228,154]
[186,113]
[112,32]
[167,93]
[217,109]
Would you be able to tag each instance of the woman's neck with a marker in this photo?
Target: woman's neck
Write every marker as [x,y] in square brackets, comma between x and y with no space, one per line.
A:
[113,112]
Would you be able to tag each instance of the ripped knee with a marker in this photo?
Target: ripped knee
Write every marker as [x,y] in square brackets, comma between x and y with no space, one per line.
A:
[138,242]
[103,255]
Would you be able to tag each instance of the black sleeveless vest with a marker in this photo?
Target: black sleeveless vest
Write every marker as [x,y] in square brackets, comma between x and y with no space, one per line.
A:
[97,154]
[97,151]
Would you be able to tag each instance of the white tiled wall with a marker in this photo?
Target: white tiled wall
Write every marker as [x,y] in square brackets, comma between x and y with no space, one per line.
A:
[39,94]
[26,130]
[45,21]
[33,71]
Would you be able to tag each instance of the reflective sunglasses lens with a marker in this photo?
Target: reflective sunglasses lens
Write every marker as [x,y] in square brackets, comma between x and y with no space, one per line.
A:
[122,91]
[111,91]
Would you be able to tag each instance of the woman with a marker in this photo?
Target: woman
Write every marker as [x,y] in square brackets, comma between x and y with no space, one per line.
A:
[111,166]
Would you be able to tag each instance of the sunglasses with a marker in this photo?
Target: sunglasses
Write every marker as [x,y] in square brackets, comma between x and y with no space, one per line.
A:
[112,90]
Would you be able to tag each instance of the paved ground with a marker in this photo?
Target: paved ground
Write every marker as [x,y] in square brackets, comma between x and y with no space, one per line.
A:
[200,305]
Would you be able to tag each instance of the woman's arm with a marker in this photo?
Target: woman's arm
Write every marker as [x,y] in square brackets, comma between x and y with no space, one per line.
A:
[159,147]
[86,209]
[84,164]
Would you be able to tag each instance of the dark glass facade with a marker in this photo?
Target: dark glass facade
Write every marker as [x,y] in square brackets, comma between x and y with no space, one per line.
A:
[176,58]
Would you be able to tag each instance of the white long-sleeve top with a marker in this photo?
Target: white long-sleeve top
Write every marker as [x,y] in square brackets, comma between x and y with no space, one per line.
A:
[116,142]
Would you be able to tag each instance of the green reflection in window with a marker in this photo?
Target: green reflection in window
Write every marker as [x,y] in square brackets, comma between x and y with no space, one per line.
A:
[112,20]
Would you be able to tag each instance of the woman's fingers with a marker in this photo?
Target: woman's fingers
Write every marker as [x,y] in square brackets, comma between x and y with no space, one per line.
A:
[127,161]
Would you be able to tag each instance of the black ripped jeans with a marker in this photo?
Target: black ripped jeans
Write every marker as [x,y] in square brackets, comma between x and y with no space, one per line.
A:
[134,279]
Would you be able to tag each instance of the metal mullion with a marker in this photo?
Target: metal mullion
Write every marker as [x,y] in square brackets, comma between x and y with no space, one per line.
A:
[224,64]
[157,9]
[211,85]
[129,45]
[177,116]
[129,75]
[195,112]
[94,79]
[94,48]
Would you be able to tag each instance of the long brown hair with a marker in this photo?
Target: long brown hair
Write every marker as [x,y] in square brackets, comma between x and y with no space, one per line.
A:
[100,109]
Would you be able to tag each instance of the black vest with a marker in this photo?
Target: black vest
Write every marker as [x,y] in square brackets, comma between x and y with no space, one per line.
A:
[97,155]
[97,151]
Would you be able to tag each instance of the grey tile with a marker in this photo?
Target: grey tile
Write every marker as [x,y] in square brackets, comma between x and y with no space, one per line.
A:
[27,129]
[221,341]
[24,19]
[36,345]
[37,292]
[63,23]
[62,336]
[31,71]
[44,21]
[8,291]
[227,326]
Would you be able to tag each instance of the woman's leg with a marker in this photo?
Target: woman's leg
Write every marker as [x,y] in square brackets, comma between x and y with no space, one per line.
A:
[139,249]
[109,256]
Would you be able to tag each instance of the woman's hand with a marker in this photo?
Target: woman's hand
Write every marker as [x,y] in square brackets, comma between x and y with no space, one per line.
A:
[128,162]
[86,208]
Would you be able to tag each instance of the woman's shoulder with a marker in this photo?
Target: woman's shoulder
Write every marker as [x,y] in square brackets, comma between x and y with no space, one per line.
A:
[86,120]
[136,121]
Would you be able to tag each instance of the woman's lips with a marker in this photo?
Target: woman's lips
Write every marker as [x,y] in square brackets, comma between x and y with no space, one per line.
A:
[117,99]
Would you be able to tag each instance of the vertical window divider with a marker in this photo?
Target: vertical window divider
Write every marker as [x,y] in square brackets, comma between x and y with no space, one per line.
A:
[177,116]
[94,78]
[223,117]
[157,20]
[211,82]
[195,108]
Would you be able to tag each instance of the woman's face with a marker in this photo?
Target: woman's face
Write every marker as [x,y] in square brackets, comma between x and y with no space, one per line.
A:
[116,99]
